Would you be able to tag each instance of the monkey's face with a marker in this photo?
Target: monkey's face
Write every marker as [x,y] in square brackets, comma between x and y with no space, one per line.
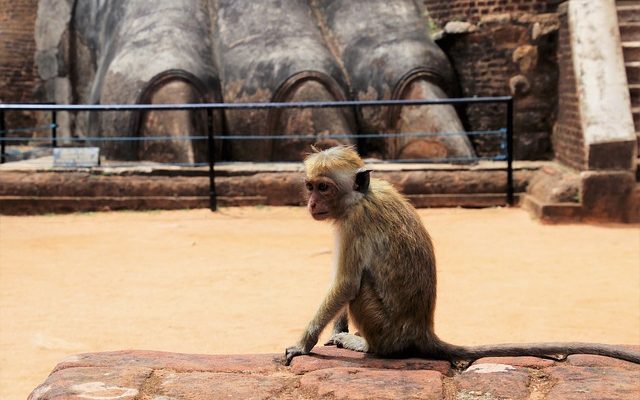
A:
[322,193]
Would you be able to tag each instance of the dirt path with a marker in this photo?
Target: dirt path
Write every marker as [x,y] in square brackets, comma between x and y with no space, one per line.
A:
[246,280]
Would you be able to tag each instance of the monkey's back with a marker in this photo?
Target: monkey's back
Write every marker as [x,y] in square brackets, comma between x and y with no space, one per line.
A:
[399,277]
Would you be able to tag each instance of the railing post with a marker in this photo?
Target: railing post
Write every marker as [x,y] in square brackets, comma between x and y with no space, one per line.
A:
[54,129]
[2,136]
[213,202]
[510,196]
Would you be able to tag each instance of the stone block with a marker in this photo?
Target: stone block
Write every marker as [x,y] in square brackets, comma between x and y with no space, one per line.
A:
[207,385]
[360,383]
[525,362]
[178,362]
[106,382]
[553,184]
[332,373]
[593,361]
[606,196]
[593,383]
[612,155]
[325,357]
[493,381]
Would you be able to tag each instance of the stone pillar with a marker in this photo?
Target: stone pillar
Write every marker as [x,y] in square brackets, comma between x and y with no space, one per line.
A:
[594,133]
[605,107]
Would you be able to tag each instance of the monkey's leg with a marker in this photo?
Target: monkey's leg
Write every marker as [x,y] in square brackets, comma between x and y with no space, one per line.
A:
[351,342]
[341,325]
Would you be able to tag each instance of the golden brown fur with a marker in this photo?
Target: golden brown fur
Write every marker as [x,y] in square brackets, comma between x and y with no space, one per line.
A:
[386,271]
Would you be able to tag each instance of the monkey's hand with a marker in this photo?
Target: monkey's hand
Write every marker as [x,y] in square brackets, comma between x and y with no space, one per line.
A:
[293,351]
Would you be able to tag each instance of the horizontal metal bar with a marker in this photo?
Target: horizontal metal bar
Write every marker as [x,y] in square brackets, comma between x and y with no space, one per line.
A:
[35,128]
[260,137]
[45,163]
[499,157]
[244,106]
[360,136]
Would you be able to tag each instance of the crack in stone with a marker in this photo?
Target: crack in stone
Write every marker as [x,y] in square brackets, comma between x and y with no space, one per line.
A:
[149,386]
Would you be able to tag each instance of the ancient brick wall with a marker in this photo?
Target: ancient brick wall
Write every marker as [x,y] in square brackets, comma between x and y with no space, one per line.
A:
[443,11]
[568,140]
[505,47]
[18,74]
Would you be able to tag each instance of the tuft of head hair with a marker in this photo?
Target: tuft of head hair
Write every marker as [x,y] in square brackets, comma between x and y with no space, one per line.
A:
[332,161]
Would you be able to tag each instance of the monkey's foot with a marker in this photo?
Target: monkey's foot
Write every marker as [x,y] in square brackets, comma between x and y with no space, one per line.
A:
[291,352]
[331,341]
[350,341]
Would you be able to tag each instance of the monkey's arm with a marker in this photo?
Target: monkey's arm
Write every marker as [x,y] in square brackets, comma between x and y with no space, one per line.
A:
[339,295]
[344,289]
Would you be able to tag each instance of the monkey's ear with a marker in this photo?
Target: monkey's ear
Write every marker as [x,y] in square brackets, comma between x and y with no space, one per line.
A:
[362,180]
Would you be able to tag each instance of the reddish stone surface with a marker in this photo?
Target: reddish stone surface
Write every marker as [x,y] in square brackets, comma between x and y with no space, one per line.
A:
[29,192]
[332,373]
[93,383]
[587,360]
[207,385]
[362,383]
[262,363]
[499,381]
[526,362]
[331,357]
[594,383]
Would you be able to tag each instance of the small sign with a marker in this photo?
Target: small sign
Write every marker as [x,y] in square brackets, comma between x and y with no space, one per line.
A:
[76,157]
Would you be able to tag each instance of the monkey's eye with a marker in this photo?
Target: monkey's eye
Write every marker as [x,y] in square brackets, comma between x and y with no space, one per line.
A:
[309,186]
[323,187]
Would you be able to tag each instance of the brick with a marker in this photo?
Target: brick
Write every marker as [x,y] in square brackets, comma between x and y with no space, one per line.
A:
[175,361]
[93,383]
[206,385]
[332,357]
[443,11]
[593,383]
[525,362]
[588,360]
[360,383]
[483,61]
[568,139]
[493,381]
[18,75]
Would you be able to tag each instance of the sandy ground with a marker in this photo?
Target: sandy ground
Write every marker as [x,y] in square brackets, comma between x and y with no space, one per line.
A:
[246,280]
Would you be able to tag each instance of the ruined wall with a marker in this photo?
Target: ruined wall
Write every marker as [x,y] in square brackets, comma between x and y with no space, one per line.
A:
[443,11]
[504,47]
[568,142]
[18,75]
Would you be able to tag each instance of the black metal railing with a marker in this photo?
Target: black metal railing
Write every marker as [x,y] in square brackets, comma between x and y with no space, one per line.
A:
[506,132]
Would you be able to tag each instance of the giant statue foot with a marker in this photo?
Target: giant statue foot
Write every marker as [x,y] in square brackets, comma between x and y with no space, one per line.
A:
[192,51]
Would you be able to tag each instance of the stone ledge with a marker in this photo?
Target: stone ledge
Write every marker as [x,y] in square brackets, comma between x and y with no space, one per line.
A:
[334,374]
[29,192]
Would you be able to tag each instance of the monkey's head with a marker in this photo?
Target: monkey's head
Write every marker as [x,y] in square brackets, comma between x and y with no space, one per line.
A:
[335,179]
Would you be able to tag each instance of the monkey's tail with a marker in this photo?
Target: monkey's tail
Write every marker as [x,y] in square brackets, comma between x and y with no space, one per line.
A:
[558,351]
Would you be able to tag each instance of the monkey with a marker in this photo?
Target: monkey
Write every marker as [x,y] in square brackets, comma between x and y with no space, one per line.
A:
[385,273]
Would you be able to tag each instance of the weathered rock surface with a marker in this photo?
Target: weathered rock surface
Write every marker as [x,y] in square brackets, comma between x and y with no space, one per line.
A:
[333,373]
[22,191]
